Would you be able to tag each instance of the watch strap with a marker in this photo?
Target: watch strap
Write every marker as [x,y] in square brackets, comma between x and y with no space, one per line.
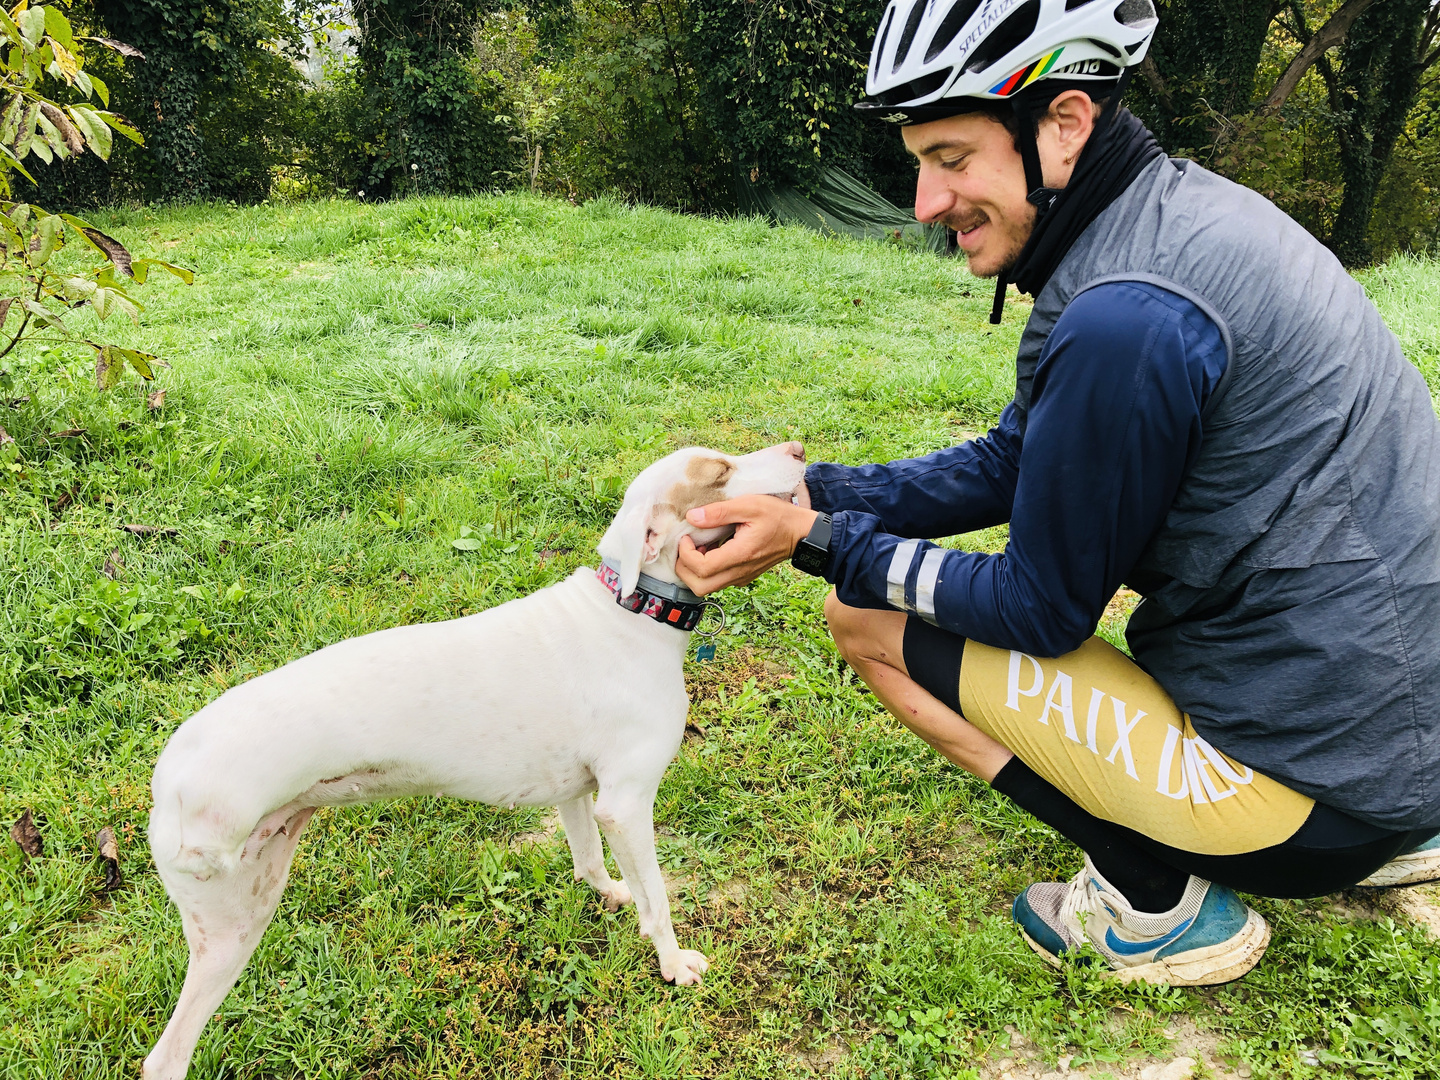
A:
[812,554]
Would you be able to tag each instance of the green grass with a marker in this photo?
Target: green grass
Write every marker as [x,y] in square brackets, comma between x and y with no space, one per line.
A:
[351,387]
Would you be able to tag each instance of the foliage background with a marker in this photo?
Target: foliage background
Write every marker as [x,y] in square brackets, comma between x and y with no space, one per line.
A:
[683,102]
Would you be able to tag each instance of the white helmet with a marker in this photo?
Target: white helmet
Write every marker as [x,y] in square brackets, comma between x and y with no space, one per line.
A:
[935,58]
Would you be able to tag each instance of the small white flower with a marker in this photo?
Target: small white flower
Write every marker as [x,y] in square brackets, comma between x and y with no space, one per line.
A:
[413,167]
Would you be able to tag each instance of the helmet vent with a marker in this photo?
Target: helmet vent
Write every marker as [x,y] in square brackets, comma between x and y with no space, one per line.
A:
[1111,49]
[884,36]
[910,93]
[907,35]
[1135,12]
[1012,33]
[954,19]
[1071,5]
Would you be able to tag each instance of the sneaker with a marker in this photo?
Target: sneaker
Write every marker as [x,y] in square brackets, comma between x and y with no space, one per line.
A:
[1414,867]
[1210,937]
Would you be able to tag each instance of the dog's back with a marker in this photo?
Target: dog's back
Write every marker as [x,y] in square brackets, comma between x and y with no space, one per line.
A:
[518,703]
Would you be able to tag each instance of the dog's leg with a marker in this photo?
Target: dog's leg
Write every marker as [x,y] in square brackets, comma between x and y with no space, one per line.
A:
[224,916]
[583,836]
[626,817]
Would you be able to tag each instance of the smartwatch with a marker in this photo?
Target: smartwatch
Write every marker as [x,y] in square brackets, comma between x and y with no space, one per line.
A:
[812,555]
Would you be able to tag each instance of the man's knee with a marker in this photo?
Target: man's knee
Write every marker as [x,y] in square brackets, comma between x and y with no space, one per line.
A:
[858,632]
[842,621]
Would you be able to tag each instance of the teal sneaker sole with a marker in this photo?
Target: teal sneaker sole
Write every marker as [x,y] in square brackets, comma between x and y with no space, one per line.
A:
[1213,965]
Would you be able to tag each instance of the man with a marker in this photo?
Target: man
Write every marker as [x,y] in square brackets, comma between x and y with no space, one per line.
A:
[1207,409]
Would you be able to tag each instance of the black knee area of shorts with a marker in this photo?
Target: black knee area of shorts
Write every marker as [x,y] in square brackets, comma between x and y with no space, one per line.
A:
[1331,851]
[1150,884]
[932,657]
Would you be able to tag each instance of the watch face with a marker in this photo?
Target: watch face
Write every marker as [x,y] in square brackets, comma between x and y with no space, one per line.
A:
[809,559]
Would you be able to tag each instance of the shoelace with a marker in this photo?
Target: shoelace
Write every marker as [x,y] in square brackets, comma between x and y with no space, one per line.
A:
[1080,897]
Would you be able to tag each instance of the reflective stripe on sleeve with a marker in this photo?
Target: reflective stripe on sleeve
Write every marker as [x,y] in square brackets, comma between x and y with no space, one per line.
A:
[925,584]
[899,570]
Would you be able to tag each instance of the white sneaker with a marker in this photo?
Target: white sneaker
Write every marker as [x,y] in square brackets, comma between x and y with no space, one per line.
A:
[1210,937]
[1414,867]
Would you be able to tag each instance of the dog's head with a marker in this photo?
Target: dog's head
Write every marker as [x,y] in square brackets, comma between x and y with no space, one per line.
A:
[651,521]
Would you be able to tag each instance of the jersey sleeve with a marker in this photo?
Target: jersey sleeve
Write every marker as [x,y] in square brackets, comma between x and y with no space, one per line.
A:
[955,490]
[1114,422]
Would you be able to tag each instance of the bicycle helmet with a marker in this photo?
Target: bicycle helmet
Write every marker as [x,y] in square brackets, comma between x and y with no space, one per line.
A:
[936,58]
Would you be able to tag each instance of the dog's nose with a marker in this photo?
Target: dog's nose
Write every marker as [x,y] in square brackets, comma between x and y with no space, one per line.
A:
[796,450]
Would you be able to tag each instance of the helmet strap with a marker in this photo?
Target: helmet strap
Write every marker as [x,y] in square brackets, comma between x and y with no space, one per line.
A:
[1038,194]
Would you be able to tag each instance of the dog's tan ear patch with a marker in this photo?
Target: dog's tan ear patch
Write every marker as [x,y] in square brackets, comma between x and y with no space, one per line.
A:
[704,483]
[708,472]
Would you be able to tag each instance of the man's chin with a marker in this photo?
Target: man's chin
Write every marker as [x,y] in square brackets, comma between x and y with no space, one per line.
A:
[985,265]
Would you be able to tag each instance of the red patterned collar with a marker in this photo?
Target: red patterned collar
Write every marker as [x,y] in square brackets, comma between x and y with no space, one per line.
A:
[673,605]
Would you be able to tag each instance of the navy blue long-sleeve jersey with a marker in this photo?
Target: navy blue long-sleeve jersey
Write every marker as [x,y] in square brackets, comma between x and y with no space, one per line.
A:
[1114,421]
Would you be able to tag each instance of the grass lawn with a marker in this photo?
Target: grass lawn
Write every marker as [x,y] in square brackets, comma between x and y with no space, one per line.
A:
[352,386]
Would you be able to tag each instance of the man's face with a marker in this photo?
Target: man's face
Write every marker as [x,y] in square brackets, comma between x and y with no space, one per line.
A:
[973,179]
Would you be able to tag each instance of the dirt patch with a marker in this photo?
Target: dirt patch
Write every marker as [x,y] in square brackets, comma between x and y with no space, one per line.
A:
[1193,1053]
[549,826]
[1419,904]
[731,893]
[735,668]
[1120,606]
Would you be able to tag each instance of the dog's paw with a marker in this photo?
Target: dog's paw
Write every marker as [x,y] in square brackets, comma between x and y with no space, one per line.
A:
[685,968]
[616,896]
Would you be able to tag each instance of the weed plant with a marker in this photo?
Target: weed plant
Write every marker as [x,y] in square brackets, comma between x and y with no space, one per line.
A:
[358,387]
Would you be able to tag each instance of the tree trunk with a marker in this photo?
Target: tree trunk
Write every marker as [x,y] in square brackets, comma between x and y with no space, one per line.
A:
[1378,76]
[1327,37]
[1204,58]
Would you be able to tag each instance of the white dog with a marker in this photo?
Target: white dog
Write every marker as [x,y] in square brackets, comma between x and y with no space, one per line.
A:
[537,702]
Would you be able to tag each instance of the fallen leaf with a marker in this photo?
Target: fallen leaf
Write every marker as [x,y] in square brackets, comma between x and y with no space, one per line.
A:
[151,530]
[856,301]
[156,400]
[24,833]
[5,437]
[68,433]
[110,853]
[113,564]
[61,501]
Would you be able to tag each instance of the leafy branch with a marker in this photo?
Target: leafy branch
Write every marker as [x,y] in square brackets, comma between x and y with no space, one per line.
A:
[32,292]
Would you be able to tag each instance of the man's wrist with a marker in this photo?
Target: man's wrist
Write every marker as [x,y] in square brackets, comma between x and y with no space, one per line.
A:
[811,553]
[802,521]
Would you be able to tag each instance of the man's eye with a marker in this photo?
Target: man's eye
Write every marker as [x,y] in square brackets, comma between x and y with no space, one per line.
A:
[954,163]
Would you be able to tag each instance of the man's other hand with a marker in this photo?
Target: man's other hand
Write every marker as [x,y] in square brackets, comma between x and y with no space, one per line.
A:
[766,532]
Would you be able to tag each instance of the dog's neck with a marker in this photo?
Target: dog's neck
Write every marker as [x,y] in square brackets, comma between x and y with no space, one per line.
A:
[671,604]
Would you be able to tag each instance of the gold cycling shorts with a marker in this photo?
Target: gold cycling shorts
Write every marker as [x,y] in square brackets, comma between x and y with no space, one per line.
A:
[1106,734]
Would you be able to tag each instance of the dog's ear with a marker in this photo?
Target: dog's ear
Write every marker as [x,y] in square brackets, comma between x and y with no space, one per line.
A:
[635,539]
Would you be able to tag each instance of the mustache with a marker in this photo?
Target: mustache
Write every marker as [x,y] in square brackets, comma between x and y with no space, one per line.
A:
[962,222]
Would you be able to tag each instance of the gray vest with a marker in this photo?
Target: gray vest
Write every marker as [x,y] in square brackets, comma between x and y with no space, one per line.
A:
[1292,595]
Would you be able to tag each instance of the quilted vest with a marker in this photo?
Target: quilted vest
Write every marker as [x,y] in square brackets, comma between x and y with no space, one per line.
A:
[1292,595]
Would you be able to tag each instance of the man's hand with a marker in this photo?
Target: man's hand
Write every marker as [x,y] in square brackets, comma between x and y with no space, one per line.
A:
[766,533]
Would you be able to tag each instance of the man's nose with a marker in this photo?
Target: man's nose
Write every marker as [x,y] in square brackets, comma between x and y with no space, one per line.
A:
[933,198]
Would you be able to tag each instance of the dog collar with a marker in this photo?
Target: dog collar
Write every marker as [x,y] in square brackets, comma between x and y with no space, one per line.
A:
[673,605]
